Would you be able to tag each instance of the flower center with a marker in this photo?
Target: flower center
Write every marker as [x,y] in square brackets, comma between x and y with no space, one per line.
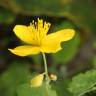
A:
[39,30]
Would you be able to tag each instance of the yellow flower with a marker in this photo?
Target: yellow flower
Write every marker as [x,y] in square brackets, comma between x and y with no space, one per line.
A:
[37,81]
[37,39]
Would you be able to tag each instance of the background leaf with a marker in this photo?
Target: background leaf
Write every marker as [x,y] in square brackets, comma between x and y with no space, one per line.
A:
[16,74]
[83,83]
[26,90]
[61,88]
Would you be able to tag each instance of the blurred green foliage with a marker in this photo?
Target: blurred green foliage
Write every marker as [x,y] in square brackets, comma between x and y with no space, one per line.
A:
[61,88]
[26,90]
[10,79]
[6,16]
[77,14]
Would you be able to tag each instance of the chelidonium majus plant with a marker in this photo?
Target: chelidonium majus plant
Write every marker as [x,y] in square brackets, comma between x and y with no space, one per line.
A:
[38,41]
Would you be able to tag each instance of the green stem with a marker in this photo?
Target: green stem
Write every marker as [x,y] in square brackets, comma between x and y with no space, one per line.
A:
[45,66]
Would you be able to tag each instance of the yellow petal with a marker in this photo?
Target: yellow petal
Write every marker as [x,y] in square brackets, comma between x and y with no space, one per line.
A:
[37,81]
[24,33]
[63,35]
[50,47]
[25,50]
[51,43]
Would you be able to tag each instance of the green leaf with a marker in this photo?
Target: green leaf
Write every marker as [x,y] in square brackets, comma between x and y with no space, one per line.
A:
[83,83]
[16,74]
[26,90]
[69,48]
